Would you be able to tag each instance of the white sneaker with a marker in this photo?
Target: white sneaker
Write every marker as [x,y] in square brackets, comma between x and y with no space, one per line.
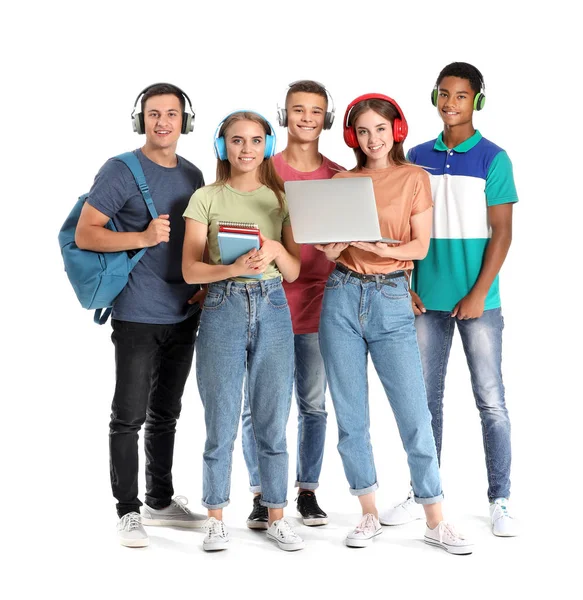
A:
[217,536]
[503,524]
[175,515]
[280,531]
[130,531]
[366,530]
[403,513]
[445,536]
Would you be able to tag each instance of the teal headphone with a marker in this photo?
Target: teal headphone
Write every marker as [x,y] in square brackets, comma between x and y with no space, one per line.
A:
[479,99]
[220,144]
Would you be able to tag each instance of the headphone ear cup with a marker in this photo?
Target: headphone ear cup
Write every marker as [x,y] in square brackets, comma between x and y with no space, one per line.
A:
[187,124]
[400,130]
[220,148]
[138,123]
[479,101]
[434,96]
[282,117]
[269,146]
[328,120]
[350,137]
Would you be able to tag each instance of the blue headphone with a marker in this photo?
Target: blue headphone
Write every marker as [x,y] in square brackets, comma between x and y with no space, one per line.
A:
[221,148]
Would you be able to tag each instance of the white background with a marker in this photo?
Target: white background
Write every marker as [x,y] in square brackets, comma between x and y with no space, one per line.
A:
[70,74]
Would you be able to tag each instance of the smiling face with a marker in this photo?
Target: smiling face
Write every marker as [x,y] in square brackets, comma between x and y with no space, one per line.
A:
[375,138]
[455,101]
[305,116]
[162,121]
[245,143]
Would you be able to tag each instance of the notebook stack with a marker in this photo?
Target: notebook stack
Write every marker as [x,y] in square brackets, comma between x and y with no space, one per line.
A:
[235,239]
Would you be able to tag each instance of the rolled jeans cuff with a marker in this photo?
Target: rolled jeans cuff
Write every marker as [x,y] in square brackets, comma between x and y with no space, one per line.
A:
[215,506]
[307,486]
[255,489]
[433,500]
[372,488]
[273,504]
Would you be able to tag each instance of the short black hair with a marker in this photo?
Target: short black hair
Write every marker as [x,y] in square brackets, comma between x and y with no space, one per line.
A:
[463,71]
[159,89]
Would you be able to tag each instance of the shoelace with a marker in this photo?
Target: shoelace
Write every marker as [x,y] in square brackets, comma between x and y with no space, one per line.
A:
[181,502]
[448,530]
[215,527]
[366,524]
[284,530]
[131,521]
[503,510]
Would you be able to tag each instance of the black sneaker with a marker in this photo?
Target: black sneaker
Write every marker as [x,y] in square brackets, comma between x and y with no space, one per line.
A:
[309,510]
[258,517]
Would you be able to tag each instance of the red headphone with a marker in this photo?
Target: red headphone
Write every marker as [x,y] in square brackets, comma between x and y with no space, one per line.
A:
[400,127]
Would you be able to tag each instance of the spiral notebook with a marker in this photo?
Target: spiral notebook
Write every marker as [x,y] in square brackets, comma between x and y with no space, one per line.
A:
[236,238]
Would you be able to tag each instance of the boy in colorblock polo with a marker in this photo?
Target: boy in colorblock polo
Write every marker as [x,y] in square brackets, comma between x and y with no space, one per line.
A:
[457,283]
[308,109]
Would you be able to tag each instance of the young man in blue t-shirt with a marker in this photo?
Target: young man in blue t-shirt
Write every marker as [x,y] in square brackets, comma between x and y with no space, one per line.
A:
[457,283]
[155,317]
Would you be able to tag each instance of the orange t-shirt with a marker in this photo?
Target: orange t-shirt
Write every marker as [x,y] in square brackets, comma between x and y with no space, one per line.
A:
[400,193]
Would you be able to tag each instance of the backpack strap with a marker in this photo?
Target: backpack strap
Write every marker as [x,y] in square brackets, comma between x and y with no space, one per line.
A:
[133,164]
[99,318]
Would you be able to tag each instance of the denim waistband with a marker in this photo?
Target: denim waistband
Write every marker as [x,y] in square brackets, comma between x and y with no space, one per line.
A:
[377,278]
[255,285]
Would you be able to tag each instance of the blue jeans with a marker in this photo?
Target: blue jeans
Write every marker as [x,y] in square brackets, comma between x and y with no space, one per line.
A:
[245,333]
[310,387]
[361,317]
[482,342]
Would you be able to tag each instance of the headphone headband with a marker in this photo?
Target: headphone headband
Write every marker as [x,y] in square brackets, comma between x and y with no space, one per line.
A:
[187,118]
[400,127]
[220,145]
[330,110]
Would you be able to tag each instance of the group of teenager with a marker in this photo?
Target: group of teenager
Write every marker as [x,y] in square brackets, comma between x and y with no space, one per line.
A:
[286,316]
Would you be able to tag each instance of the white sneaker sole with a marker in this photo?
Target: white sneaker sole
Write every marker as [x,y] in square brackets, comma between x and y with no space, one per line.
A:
[291,547]
[135,543]
[173,523]
[392,522]
[314,522]
[505,534]
[257,524]
[214,546]
[361,543]
[451,549]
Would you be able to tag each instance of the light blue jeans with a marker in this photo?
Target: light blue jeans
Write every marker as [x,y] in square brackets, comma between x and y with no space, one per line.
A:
[482,342]
[361,317]
[245,333]
[310,388]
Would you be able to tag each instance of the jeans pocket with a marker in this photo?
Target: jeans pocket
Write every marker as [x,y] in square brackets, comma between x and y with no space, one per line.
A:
[213,300]
[399,290]
[334,281]
[277,298]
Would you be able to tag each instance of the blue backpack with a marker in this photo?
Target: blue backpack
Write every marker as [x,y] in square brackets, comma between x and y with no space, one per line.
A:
[99,277]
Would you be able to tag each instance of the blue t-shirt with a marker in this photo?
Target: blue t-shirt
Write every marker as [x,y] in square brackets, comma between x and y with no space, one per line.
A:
[156,292]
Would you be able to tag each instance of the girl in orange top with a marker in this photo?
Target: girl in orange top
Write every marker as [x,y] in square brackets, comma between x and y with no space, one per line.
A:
[367,308]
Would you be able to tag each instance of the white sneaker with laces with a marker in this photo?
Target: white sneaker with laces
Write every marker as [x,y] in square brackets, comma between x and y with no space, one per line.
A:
[366,530]
[174,515]
[403,513]
[503,524]
[445,536]
[130,531]
[217,536]
[281,531]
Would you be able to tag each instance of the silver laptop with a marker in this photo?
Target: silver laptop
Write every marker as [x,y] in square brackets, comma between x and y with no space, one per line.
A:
[323,211]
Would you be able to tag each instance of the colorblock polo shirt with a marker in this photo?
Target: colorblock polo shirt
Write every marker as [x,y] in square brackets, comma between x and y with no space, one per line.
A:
[465,181]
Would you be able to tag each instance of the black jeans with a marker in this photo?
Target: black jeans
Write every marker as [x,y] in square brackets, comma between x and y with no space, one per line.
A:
[152,365]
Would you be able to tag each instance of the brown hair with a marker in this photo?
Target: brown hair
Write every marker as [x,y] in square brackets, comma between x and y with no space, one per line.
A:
[267,173]
[307,86]
[389,112]
[161,89]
